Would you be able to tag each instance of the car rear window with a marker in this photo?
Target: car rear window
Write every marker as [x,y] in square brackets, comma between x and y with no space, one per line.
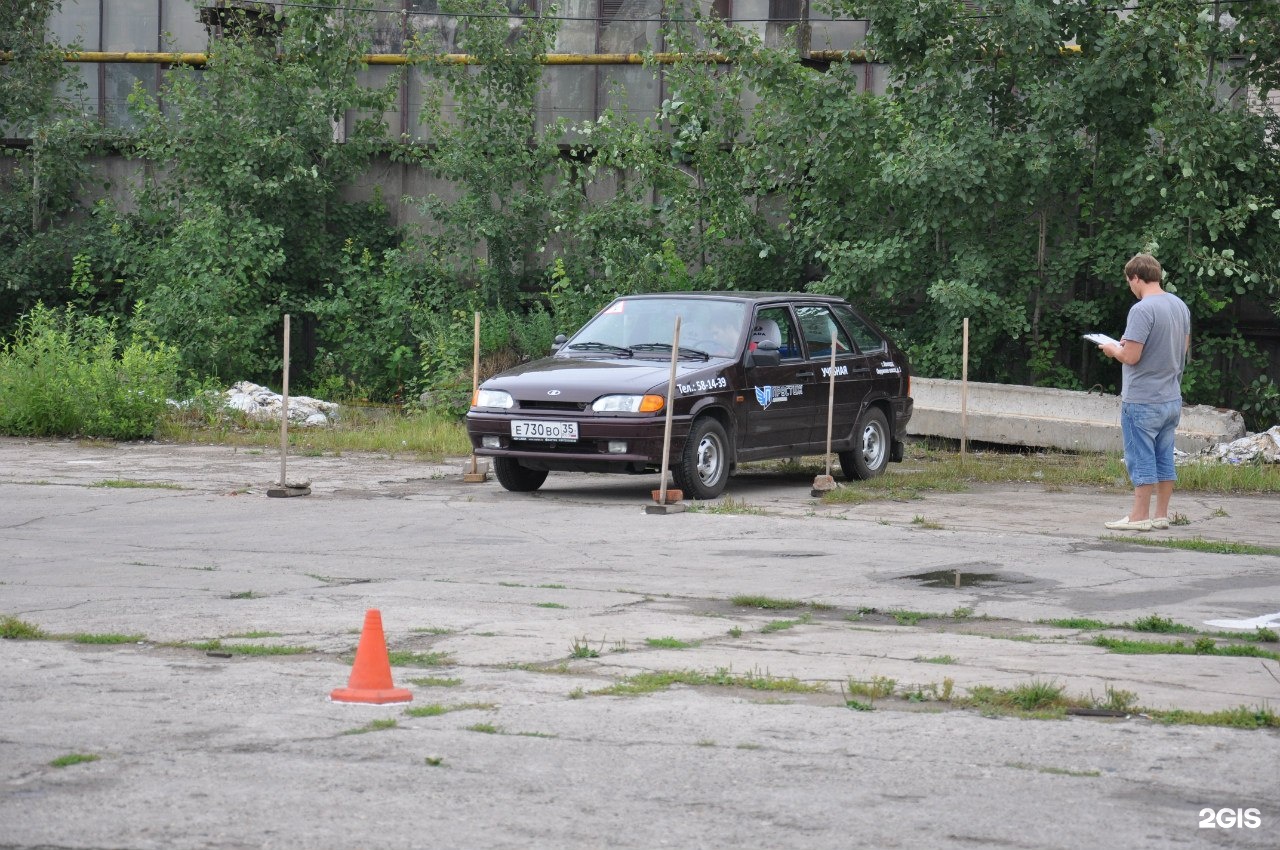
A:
[869,342]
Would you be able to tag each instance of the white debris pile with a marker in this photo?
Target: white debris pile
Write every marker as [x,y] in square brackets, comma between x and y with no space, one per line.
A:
[263,405]
[1250,447]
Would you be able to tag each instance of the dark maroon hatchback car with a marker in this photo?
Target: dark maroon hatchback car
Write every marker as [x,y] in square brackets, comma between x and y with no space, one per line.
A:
[752,383]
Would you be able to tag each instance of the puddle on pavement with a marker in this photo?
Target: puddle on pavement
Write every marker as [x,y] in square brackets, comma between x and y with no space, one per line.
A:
[960,578]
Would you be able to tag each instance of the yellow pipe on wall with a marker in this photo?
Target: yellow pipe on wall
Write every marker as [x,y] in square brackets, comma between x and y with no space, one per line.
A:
[198,59]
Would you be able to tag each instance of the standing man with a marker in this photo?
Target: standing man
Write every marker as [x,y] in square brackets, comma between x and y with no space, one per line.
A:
[1153,352]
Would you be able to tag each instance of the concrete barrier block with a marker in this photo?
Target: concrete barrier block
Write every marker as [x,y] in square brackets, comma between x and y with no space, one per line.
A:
[1047,418]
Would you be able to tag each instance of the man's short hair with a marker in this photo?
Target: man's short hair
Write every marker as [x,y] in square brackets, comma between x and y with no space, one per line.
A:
[1145,267]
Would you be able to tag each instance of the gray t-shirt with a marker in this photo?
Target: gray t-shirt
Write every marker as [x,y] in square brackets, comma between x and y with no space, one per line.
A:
[1162,324]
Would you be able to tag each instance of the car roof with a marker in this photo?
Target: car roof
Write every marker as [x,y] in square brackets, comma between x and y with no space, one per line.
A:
[730,295]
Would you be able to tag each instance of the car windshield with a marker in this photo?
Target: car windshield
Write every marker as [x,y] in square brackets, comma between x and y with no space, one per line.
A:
[644,327]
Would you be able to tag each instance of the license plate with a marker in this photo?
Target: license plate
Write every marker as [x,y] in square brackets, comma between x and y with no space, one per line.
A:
[561,432]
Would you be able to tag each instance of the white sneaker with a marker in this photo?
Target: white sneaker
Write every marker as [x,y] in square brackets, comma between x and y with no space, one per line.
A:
[1160,522]
[1123,524]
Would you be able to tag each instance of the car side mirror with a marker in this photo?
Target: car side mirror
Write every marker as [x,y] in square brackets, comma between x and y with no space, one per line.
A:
[559,341]
[765,354]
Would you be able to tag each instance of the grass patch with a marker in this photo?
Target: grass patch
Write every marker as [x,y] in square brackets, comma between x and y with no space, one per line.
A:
[552,586]
[435,682]
[929,468]
[129,484]
[767,603]
[582,648]
[877,687]
[849,494]
[1033,699]
[255,635]
[242,648]
[936,659]
[373,726]
[437,709]
[11,628]
[431,630]
[671,643]
[486,728]
[912,618]
[1158,624]
[549,605]
[1242,717]
[1202,646]
[783,625]
[1081,623]
[73,758]
[404,658]
[921,522]
[647,683]
[106,639]
[727,505]
[377,430]
[932,692]
[1199,544]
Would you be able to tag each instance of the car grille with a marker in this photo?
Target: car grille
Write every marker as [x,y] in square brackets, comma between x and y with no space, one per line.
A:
[547,447]
[539,404]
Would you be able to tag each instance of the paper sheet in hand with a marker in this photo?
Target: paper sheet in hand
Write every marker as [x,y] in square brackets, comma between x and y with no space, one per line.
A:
[1100,339]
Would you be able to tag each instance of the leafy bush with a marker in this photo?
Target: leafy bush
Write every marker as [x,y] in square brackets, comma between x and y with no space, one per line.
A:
[69,374]
[506,338]
[369,323]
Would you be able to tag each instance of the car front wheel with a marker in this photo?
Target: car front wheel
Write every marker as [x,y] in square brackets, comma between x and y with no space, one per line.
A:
[517,478]
[870,454]
[702,470]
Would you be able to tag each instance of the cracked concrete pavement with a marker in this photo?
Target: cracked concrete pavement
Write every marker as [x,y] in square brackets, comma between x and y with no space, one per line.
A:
[199,751]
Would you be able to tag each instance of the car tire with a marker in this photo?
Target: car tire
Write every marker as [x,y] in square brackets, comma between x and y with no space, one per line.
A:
[702,470]
[517,478]
[872,444]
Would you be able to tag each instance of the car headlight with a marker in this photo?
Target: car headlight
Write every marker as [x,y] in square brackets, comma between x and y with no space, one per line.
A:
[493,398]
[628,404]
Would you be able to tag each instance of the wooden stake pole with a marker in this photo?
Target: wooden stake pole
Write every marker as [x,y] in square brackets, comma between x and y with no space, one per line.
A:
[831,398]
[284,488]
[666,434]
[475,475]
[475,374]
[964,391]
[284,405]
[823,483]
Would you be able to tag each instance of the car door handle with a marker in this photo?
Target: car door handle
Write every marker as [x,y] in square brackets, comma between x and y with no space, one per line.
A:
[808,374]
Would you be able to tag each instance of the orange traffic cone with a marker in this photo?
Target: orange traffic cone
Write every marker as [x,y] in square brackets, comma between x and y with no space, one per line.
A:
[371,674]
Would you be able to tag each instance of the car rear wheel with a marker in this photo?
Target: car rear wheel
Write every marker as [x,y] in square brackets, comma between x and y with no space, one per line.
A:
[702,469]
[517,478]
[870,454]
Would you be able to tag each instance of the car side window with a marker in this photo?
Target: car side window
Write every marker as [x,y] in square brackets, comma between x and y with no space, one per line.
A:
[817,322]
[774,324]
[869,342]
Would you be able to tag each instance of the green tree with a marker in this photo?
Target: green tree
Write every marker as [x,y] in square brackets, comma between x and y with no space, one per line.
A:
[1007,180]
[483,139]
[38,101]
[246,221]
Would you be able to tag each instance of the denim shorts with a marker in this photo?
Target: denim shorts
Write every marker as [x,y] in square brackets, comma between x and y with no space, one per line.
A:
[1148,431]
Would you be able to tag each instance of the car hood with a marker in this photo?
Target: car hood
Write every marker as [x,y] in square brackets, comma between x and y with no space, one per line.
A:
[584,379]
